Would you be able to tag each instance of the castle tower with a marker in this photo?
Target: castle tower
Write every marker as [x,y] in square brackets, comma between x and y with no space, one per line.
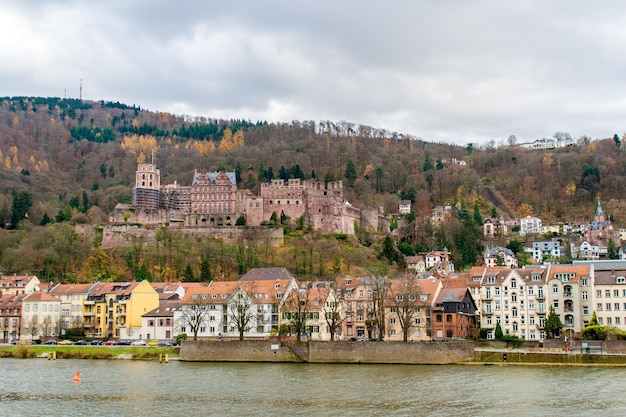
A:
[147,189]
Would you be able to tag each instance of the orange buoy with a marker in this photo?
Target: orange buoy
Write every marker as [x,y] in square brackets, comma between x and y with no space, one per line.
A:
[77,376]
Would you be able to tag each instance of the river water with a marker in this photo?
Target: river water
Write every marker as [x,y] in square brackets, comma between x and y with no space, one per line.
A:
[39,387]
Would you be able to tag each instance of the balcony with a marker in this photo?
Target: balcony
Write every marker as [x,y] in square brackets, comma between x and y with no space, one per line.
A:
[87,325]
[487,326]
[89,302]
[88,313]
[487,312]
[349,322]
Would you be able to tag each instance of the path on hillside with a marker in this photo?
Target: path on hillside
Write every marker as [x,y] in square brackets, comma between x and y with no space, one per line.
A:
[498,201]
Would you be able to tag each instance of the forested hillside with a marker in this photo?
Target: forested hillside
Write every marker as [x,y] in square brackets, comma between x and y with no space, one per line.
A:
[67,161]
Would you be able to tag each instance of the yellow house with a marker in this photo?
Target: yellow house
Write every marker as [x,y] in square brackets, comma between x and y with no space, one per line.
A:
[114,309]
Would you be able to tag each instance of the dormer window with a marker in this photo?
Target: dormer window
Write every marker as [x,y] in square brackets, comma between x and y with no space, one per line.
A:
[621,280]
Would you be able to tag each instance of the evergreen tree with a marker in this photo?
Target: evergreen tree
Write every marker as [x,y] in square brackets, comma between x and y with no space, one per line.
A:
[478,219]
[612,253]
[594,320]
[498,333]
[553,323]
[143,274]
[45,220]
[22,202]
[205,269]
[494,212]
[389,249]
[188,275]
[428,164]
[350,174]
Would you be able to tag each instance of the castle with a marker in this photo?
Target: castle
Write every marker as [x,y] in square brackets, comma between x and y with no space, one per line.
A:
[213,200]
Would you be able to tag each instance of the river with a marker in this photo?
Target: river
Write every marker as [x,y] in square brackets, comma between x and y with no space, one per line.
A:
[39,387]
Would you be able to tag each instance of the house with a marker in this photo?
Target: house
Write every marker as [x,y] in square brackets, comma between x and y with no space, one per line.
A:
[600,240]
[72,297]
[204,310]
[11,316]
[415,264]
[495,227]
[114,309]
[404,207]
[40,316]
[529,225]
[408,307]
[569,290]
[159,323]
[355,293]
[440,214]
[454,314]
[545,250]
[499,256]
[18,284]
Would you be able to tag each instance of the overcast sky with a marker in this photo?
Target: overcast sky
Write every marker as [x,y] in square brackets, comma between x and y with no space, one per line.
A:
[443,70]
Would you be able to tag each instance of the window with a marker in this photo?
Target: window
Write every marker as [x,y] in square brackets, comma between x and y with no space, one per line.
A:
[488,293]
[513,284]
[392,332]
[439,318]
[392,321]
[515,326]
[609,320]
[585,310]
[513,298]
[615,293]
[555,289]
[202,329]
[531,290]
[617,321]
[616,306]
[555,304]
[607,293]
[599,293]
[599,307]
[608,306]
[584,282]
[449,318]
[585,296]
[150,322]
[497,305]
[497,291]
[531,320]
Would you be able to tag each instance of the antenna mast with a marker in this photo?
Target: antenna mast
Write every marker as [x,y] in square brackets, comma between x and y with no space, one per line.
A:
[81,89]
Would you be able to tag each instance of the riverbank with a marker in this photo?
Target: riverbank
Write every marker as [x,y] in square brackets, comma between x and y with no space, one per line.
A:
[88,352]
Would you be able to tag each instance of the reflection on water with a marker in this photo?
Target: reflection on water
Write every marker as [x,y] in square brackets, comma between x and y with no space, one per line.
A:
[134,388]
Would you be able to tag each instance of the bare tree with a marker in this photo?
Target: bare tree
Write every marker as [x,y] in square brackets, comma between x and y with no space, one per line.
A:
[380,289]
[242,314]
[333,313]
[194,313]
[296,310]
[405,301]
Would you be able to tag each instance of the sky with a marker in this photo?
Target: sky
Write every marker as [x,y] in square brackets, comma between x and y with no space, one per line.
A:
[455,71]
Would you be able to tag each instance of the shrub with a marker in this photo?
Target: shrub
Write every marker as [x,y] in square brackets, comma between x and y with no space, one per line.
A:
[512,341]
[181,337]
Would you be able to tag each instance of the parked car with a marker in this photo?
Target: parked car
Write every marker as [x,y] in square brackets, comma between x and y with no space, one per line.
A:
[138,342]
[66,342]
[96,342]
[358,339]
[165,343]
[110,342]
[51,342]
[153,343]
[124,342]
[81,342]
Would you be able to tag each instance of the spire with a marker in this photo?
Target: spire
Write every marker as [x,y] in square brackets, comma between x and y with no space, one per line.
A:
[598,208]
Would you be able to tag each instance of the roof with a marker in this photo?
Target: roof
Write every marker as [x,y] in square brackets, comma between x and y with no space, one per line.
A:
[119,288]
[218,292]
[40,296]
[165,309]
[608,277]
[264,274]
[232,179]
[9,281]
[451,295]
[578,271]
[71,289]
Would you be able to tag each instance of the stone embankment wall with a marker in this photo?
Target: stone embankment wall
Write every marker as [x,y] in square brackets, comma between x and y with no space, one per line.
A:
[328,352]
[129,235]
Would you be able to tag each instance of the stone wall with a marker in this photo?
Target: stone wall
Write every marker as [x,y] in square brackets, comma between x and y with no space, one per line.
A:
[328,352]
[127,236]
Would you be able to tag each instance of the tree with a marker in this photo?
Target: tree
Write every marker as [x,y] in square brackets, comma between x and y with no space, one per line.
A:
[205,268]
[498,333]
[389,249]
[189,277]
[380,290]
[594,320]
[553,323]
[193,313]
[333,313]
[478,219]
[22,202]
[428,164]
[103,171]
[296,310]
[350,174]
[242,310]
[404,297]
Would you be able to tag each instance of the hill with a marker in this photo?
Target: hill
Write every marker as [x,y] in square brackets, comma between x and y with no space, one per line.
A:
[71,160]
